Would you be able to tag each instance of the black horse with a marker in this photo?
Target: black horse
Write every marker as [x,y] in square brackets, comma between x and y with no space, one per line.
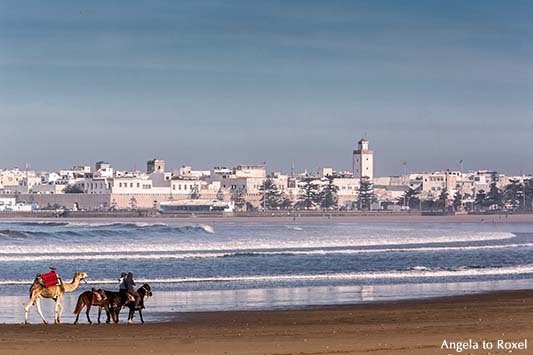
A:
[117,300]
[143,291]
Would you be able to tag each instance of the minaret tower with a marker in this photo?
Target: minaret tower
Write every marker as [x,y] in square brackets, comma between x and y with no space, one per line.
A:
[363,161]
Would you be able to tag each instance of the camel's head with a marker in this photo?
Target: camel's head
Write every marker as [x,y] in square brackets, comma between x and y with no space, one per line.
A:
[81,276]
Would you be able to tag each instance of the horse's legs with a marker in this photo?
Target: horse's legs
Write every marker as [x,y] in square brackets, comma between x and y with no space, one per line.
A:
[38,304]
[88,310]
[107,312]
[141,315]
[130,315]
[79,311]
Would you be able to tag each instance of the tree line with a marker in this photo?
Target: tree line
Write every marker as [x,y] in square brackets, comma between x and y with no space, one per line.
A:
[312,195]
[515,196]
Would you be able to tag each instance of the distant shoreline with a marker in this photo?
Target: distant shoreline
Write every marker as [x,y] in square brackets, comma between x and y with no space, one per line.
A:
[300,219]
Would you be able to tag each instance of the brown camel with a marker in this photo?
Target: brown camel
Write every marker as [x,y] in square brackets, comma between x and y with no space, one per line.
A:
[37,290]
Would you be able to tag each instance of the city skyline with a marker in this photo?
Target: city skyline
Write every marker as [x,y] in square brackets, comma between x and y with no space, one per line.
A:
[206,84]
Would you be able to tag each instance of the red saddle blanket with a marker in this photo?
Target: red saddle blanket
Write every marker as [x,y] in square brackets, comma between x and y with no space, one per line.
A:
[50,279]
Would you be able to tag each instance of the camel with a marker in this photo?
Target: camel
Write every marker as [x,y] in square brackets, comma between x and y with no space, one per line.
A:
[37,290]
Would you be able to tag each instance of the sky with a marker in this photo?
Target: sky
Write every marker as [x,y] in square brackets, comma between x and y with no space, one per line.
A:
[210,83]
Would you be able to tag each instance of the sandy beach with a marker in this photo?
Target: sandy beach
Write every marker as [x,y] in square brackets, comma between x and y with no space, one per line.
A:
[409,327]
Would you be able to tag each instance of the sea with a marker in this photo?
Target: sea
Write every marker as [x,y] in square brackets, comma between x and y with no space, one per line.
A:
[195,267]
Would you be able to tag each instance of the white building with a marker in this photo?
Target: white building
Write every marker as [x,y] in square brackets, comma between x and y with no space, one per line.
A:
[363,161]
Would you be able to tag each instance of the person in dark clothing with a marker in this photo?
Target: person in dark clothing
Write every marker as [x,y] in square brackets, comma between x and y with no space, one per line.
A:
[122,282]
[129,283]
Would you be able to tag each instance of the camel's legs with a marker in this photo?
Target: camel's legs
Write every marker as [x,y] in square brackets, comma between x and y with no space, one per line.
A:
[56,312]
[38,304]
[60,311]
[26,310]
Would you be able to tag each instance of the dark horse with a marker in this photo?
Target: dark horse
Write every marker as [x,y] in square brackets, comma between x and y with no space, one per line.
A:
[117,300]
[92,298]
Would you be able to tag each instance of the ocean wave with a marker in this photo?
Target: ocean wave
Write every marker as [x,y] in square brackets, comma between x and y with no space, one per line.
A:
[294,228]
[38,223]
[355,276]
[81,229]
[12,233]
[83,226]
[147,254]
[295,246]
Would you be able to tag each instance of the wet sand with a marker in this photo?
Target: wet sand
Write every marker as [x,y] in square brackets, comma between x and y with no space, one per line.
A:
[408,327]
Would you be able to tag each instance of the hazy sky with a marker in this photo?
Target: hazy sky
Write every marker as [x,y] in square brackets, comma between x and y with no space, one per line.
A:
[225,82]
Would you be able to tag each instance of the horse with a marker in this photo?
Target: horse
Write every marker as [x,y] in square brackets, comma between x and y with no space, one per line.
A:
[92,298]
[117,300]
[143,291]
[56,292]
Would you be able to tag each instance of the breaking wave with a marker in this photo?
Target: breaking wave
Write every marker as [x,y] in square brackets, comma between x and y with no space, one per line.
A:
[413,273]
[155,253]
[103,229]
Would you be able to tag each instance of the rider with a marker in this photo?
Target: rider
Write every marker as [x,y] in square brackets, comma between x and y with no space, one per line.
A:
[122,283]
[129,283]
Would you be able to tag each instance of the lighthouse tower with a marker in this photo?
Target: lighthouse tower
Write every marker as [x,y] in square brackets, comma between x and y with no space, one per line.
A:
[363,161]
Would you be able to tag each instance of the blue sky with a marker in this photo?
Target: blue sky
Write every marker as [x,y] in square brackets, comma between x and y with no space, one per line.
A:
[225,82]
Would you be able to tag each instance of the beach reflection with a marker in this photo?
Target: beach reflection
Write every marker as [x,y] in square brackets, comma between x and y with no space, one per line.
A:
[167,305]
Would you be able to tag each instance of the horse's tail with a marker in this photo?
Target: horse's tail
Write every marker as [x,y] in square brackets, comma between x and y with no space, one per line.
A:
[79,305]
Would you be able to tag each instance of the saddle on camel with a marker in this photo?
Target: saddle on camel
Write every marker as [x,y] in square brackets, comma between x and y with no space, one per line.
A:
[49,279]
